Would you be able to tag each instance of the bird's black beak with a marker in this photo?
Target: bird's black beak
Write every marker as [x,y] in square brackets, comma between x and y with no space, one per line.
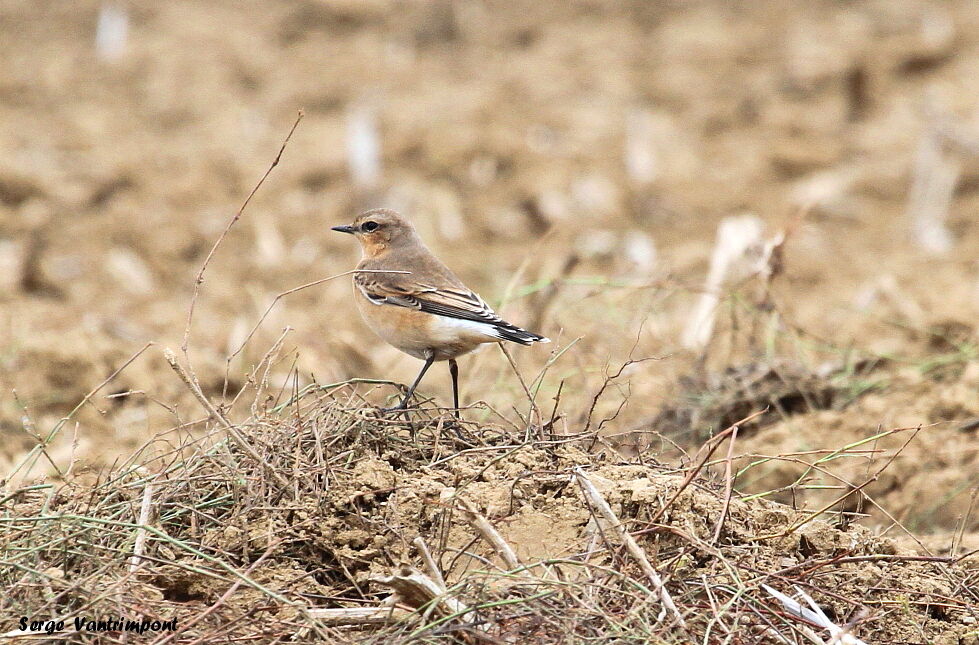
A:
[343,229]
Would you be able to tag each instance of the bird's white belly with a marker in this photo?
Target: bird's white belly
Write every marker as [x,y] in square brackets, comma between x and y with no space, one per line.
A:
[450,337]
[454,330]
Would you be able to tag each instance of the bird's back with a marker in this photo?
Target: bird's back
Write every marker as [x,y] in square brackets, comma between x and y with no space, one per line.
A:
[421,264]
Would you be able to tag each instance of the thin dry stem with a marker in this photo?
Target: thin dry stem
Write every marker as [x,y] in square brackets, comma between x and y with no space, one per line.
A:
[813,514]
[282,295]
[430,565]
[728,484]
[707,449]
[199,280]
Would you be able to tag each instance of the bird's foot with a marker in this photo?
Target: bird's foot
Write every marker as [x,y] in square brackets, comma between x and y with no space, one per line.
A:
[401,408]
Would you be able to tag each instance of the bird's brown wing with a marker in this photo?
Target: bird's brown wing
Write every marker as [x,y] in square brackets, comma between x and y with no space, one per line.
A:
[460,303]
[453,302]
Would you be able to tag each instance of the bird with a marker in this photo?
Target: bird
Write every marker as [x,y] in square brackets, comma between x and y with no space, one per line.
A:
[409,298]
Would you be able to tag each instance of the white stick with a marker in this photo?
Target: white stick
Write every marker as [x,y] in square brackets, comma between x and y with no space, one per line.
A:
[358,615]
[930,197]
[363,144]
[111,32]
[736,236]
[270,247]
[814,615]
[430,564]
[641,163]
[144,520]
[490,534]
[130,270]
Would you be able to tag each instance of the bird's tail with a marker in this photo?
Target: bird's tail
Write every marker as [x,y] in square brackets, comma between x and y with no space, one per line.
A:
[517,335]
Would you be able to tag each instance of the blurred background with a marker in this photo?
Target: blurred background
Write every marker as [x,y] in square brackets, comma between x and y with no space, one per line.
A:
[571,161]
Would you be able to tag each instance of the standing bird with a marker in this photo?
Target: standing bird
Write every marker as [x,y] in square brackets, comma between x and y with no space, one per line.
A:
[426,311]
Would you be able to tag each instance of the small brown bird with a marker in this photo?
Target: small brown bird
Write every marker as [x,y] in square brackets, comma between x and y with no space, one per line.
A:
[426,312]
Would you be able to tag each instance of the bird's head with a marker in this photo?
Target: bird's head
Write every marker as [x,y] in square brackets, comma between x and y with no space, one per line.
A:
[379,230]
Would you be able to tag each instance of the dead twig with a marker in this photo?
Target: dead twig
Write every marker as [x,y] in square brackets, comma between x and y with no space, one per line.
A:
[813,614]
[365,616]
[598,502]
[490,534]
[708,449]
[31,455]
[813,514]
[430,564]
[144,519]
[282,295]
[728,484]
[534,410]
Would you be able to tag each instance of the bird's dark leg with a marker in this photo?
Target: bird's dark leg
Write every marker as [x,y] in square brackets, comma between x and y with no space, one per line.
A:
[411,390]
[454,371]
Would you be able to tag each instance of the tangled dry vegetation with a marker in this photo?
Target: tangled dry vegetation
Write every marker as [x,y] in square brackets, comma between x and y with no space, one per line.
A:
[317,520]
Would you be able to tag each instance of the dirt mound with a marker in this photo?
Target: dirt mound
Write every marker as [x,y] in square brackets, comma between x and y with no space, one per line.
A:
[315,502]
[929,483]
[716,401]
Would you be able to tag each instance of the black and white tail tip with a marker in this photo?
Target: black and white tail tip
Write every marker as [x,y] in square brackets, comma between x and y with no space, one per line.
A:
[513,333]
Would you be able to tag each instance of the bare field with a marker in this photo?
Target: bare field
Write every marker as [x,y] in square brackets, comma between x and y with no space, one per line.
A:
[572,163]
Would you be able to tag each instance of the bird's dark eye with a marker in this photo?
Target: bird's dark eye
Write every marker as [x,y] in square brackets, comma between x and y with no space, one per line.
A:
[367,227]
